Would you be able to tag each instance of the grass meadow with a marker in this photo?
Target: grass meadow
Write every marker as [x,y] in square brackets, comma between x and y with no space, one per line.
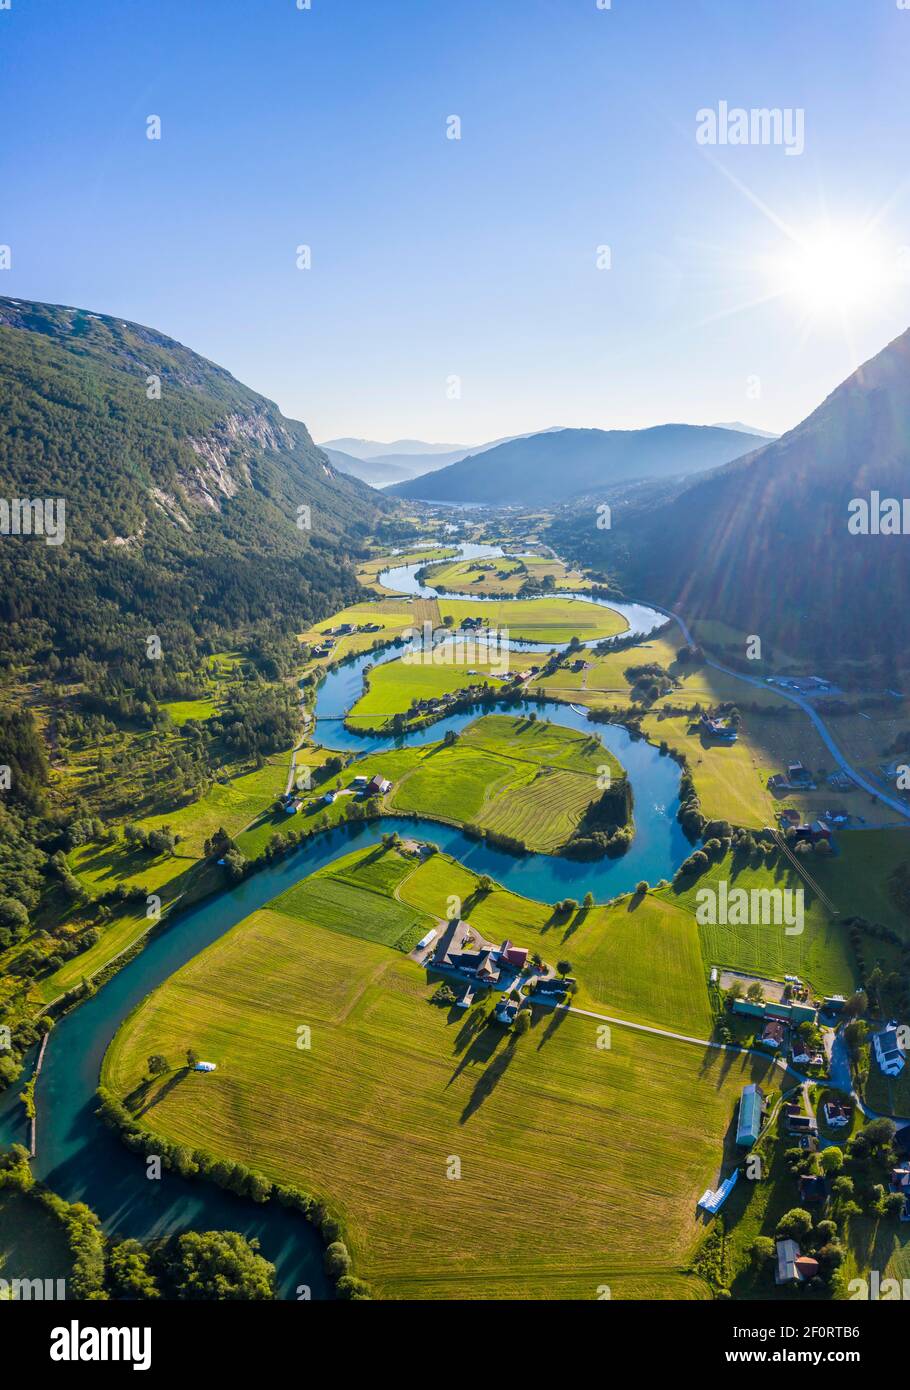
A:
[579,1166]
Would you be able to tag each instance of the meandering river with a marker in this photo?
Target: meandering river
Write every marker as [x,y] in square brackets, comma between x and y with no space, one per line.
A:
[79,1158]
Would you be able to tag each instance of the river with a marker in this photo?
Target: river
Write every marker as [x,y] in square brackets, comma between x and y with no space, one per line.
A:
[83,1161]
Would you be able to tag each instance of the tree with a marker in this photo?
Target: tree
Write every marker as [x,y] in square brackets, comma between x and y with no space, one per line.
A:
[879,1134]
[485,884]
[219,1265]
[13,915]
[755,993]
[522,1023]
[763,1251]
[857,1004]
[641,887]
[794,1224]
[855,1036]
[564,968]
[842,1187]
[191,1058]
[588,902]
[130,1272]
[157,1064]
[337,1260]
[832,1160]
[235,862]
[161,841]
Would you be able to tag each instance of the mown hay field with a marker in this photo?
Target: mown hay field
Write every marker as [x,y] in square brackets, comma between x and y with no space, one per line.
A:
[579,1166]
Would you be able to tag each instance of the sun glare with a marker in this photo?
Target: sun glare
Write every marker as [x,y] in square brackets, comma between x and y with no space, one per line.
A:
[831,272]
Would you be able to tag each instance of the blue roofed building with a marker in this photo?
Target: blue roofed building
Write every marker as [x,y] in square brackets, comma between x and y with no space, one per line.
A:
[751,1112]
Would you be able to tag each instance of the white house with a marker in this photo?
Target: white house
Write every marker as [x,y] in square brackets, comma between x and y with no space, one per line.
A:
[205,1066]
[890,1049]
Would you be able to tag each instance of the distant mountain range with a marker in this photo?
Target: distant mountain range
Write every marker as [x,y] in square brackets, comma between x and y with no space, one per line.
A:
[746,429]
[382,465]
[770,544]
[182,489]
[559,465]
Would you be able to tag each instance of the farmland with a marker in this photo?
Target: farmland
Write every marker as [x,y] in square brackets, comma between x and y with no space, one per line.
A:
[391,1086]
[530,780]
[395,685]
[504,575]
[618,952]
[555,620]
[820,953]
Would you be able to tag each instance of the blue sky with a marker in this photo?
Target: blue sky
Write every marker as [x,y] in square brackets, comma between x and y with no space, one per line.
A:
[434,258]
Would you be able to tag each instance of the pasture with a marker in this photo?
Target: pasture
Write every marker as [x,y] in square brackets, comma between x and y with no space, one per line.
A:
[552,619]
[820,954]
[531,780]
[504,575]
[579,1166]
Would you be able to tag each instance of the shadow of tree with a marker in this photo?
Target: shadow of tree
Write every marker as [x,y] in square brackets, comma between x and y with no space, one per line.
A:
[487,1083]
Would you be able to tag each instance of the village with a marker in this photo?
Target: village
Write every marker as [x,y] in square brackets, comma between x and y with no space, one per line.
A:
[817,1136]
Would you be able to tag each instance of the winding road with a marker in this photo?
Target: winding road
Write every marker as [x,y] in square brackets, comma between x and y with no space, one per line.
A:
[806,706]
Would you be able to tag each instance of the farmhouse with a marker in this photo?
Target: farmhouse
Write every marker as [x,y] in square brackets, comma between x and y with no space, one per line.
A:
[813,1188]
[751,1111]
[205,1066]
[791,1265]
[508,1011]
[773,1034]
[837,1115]
[378,785]
[889,1049]
[795,1012]
[715,728]
[798,1123]
[514,956]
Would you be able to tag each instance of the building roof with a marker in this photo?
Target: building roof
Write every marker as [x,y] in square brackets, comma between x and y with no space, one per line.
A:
[787,1255]
[751,1107]
[812,1187]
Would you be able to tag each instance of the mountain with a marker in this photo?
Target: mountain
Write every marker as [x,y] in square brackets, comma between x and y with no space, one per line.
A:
[182,491]
[763,543]
[746,429]
[381,465]
[558,465]
[377,472]
[371,449]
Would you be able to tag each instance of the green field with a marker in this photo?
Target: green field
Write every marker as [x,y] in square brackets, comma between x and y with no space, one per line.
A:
[638,960]
[396,684]
[183,710]
[530,780]
[821,954]
[580,1166]
[505,575]
[554,620]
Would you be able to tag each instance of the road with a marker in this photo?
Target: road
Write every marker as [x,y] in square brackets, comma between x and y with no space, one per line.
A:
[664,1033]
[805,705]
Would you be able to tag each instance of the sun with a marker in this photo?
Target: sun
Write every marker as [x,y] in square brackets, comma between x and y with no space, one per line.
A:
[829,272]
